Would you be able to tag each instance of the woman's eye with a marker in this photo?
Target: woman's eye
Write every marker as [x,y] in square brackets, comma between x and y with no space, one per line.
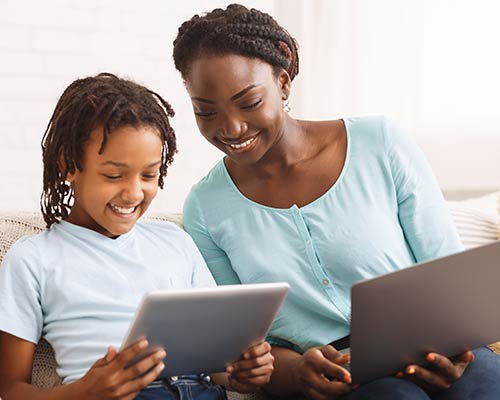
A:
[253,105]
[209,114]
[150,176]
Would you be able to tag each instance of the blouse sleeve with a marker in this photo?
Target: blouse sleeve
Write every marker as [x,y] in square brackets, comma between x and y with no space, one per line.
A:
[422,211]
[216,259]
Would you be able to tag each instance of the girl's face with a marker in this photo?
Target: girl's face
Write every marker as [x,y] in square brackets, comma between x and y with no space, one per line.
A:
[116,187]
[238,104]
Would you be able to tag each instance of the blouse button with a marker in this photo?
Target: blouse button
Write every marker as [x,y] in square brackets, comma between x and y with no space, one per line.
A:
[326,282]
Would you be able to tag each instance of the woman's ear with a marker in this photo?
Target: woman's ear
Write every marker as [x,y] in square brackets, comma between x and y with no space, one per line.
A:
[285,84]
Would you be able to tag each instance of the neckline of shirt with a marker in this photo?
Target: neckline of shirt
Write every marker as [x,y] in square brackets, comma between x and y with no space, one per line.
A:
[82,233]
[294,206]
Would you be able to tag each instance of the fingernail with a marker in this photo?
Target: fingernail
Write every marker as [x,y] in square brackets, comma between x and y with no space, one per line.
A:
[143,343]
[410,370]
[162,354]
[161,367]
[246,356]
[229,369]
[431,357]
[399,374]
[347,378]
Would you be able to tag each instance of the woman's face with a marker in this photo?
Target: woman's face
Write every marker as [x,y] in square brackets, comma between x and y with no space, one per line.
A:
[238,104]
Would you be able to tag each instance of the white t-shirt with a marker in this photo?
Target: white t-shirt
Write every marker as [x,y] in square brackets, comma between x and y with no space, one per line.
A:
[79,289]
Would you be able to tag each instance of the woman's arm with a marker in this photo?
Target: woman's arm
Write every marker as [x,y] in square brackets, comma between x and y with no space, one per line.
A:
[318,373]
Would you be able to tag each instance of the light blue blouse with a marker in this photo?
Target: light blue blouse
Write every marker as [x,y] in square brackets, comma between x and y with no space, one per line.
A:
[384,213]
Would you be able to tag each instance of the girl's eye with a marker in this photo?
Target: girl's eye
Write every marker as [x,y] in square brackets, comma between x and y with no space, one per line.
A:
[112,177]
[150,176]
[253,105]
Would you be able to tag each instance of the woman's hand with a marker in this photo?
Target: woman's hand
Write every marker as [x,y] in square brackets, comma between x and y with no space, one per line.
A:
[109,378]
[319,374]
[445,371]
[252,371]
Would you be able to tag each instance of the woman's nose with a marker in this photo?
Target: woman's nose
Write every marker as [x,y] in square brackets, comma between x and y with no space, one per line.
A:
[233,128]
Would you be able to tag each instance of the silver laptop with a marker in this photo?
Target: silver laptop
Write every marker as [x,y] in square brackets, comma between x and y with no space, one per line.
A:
[447,306]
[203,329]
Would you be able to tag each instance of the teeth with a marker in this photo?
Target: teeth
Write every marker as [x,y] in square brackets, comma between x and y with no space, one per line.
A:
[242,145]
[122,210]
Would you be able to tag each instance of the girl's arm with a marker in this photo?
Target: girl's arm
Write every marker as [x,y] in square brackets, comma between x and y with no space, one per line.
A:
[250,373]
[107,378]
[16,362]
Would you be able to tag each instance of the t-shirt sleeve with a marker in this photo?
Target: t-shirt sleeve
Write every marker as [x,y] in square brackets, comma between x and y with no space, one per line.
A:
[216,259]
[20,293]
[422,211]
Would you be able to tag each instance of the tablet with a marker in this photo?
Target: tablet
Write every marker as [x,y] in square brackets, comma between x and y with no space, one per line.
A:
[203,329]
[448,305]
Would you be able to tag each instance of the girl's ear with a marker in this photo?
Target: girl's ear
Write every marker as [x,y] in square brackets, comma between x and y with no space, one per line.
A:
[61,164]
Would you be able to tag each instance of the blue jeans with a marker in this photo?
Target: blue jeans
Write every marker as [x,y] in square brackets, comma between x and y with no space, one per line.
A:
[480,381]
[190,387]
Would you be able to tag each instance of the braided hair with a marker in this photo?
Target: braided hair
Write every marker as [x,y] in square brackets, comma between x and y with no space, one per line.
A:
[236,30]
[86,104]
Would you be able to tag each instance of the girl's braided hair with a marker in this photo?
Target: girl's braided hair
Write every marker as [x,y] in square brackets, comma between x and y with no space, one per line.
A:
[236,30]
[99,101]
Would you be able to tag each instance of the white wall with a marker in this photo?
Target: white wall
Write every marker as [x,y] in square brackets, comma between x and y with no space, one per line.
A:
[45,45]
[431,64]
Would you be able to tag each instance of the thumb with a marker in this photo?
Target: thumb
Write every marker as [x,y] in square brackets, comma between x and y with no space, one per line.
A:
[111,354]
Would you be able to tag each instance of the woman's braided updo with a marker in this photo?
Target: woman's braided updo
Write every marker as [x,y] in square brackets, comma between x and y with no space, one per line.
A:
[236,30]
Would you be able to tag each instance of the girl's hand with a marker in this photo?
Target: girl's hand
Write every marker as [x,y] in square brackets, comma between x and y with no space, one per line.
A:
[108,378]
[446,371]
[319,374]
[252,371]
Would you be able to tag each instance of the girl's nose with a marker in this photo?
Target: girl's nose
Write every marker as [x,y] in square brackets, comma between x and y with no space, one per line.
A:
[133,192]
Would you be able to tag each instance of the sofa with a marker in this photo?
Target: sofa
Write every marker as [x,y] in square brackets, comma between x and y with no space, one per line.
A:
[477,221]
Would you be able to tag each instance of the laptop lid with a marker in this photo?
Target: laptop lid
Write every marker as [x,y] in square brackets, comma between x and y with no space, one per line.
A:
[448,305]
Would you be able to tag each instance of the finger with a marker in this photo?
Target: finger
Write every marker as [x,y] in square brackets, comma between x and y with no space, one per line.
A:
[464,358]
[331,353]
[257,350]
[316,361]
[104,360]
[328,389]
[144,365]
[127,354]
[136,385]
[111,354]
[430,378]
[246,365]
[447,367]
[266,370]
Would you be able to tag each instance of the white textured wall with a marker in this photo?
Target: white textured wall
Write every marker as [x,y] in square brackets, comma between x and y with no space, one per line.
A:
[432,65]
[45,45]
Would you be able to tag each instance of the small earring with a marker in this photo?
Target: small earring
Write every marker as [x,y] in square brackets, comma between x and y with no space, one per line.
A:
[286,106]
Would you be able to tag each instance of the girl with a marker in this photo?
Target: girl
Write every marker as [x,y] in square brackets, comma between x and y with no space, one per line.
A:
[105,153]
[320,204]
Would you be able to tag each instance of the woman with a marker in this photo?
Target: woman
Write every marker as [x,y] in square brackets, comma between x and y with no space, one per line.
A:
[320,204]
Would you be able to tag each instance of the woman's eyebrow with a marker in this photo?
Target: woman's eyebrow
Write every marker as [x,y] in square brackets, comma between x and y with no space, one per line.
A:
[234,97]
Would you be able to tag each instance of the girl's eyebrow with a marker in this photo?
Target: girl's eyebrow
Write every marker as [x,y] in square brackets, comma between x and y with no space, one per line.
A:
[123,165]
[234,97]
